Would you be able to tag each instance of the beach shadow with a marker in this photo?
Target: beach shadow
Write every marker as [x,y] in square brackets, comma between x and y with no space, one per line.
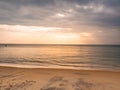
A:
[80,84]
[60,83]
[56,83]
[17,86]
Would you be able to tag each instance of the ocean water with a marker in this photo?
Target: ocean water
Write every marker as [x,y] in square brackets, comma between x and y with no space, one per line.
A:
[89,57]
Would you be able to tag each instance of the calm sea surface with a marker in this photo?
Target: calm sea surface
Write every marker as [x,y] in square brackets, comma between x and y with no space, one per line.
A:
[61,56]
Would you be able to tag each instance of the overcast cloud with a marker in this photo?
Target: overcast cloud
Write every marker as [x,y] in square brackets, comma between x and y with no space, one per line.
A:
[100,18]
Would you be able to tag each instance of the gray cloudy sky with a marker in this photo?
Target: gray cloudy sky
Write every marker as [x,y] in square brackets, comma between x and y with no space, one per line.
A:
[60,21]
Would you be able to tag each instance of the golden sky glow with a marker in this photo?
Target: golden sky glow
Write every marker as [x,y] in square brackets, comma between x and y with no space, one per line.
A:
[37,34]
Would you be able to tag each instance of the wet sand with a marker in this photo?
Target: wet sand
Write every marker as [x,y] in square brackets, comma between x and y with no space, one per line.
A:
[57,79]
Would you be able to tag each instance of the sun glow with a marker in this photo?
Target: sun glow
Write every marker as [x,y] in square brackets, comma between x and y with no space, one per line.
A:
[66,36]
[86,34]
[60,15]
[28,28]
[41,34]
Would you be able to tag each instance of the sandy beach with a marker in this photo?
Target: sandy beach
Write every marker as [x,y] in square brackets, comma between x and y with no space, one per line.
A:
[57,79]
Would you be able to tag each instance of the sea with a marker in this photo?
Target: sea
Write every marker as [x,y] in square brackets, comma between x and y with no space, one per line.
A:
[80,57]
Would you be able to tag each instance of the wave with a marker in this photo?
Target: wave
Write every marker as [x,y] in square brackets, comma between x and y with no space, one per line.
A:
[56,67]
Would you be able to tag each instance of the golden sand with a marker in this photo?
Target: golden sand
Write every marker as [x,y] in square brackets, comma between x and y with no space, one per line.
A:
[57,79]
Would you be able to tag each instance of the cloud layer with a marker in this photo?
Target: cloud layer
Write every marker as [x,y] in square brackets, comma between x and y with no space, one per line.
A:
[40,12]
[101,18]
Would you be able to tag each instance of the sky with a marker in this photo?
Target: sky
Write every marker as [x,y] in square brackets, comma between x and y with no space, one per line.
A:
[60,21]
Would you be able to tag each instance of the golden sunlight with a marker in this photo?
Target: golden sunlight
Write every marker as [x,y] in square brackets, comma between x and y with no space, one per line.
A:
[47,35]
[86,34]
[60,15]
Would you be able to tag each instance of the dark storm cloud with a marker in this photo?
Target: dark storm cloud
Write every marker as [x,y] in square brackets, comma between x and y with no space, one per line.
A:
[42,12]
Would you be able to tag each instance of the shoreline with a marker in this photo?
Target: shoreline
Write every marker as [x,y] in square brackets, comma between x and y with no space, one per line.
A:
[56,68]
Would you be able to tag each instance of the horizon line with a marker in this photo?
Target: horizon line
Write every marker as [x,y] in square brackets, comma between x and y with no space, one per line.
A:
[50,44]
